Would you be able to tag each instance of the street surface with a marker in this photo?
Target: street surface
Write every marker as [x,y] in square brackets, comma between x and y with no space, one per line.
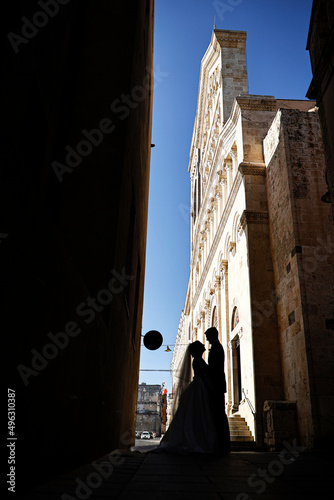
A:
[147,442]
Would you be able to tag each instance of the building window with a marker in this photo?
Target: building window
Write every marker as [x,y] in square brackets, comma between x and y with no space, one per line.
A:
[214,321]
[235,317]
[195,200]
[199,184]
[197,195]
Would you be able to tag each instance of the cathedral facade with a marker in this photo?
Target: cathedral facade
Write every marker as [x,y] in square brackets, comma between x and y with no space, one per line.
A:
[262,252]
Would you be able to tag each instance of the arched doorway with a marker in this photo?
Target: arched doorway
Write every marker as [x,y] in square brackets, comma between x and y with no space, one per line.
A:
[236,374]
[236,364]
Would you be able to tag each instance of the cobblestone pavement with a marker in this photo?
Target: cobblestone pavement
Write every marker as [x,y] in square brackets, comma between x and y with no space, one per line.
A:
[289,475]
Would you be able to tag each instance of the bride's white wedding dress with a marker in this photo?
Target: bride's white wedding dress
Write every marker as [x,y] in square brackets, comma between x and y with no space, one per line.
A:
[198,413]
[192,429]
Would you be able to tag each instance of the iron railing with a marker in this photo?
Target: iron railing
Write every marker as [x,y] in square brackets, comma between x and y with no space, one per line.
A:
[249,404]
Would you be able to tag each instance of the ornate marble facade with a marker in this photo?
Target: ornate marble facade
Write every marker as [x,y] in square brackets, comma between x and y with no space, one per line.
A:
[233,283]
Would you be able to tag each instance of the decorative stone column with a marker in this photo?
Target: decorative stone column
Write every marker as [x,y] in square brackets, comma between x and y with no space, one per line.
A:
[204,245]
[229,174]
[234,155]
[219,205]
[207,309]
[218,289]
[199,334]
[203,326]
[214,220]
[208,234]
[200,253]
[223,183]
[224,270]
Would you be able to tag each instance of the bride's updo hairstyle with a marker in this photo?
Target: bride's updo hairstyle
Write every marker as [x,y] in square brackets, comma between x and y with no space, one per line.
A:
[184,374]
[196,348]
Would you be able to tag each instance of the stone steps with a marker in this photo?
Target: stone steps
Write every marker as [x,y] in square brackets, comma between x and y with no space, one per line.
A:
[237,425]
[239,430]
[236,417]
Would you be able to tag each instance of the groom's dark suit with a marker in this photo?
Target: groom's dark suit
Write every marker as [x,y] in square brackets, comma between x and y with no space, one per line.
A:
[216,367]
[218,382]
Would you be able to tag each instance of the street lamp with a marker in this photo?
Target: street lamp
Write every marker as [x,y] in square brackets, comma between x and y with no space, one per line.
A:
[152,340]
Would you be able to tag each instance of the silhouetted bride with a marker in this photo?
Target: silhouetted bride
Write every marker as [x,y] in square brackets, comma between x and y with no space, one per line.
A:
[192,429]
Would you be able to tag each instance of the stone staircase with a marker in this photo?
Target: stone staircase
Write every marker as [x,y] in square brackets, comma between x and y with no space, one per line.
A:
[240,435]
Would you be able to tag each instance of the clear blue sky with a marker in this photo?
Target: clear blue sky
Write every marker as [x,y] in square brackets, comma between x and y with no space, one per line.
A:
[278,64]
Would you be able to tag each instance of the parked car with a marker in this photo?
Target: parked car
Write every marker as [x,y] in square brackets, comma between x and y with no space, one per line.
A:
[145,435]
[137,434]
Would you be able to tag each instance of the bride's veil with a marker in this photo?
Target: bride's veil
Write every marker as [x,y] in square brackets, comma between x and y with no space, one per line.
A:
[184,378]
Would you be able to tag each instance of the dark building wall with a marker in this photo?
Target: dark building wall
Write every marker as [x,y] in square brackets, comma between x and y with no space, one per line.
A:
[321,47]
[73,254]
[301,232]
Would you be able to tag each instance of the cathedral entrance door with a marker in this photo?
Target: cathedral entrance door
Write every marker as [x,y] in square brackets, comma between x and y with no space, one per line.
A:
[236,374]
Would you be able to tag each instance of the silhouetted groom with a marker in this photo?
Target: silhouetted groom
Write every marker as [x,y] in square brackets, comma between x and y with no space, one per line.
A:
[217,376]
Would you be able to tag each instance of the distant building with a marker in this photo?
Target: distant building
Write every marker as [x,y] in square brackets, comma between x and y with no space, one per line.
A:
[149,408]
[169,409]
[262,268]
[164,402]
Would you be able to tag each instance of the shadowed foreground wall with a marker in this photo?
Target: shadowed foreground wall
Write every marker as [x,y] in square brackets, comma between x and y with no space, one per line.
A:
[76,136]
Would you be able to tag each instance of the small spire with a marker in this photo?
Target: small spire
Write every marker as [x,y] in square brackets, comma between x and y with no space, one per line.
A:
[214,22]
